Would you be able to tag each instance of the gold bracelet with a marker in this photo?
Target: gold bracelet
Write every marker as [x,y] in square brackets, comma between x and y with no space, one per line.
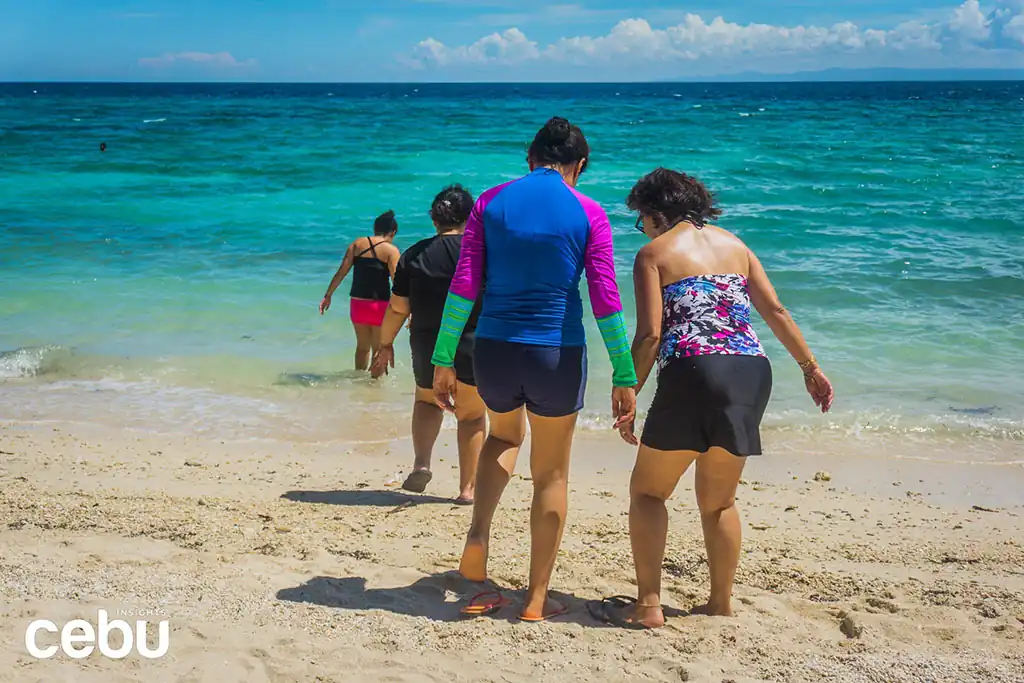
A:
[808,364]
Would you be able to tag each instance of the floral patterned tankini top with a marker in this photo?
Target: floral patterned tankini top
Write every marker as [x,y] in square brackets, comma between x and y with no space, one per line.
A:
[706,315]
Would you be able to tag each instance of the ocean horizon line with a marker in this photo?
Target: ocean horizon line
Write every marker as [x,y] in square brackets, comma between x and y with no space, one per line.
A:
[1017,76]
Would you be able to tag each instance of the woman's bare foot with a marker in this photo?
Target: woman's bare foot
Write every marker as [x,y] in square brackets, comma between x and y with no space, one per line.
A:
[541,610]
[650,616]
[473,565]
[714,610]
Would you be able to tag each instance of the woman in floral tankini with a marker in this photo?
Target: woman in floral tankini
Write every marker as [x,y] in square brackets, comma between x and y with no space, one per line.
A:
[695,284]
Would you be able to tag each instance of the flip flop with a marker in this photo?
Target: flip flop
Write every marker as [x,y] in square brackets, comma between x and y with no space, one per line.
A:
[607,611]
[462,501]
[417,481]
[485,604]
[558,611]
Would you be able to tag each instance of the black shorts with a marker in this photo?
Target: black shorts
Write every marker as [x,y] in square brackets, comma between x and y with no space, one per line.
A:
[422,346]
[548,380]
[708,401]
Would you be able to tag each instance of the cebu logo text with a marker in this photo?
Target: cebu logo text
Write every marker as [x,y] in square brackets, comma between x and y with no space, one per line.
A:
[79,638]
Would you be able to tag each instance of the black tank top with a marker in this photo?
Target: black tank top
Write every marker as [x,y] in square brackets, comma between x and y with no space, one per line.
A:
[371,277]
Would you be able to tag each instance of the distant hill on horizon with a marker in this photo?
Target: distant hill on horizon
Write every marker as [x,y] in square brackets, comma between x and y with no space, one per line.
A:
[863,75]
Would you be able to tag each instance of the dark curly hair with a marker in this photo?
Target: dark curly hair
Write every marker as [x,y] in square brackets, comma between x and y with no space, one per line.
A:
[451,207]
[385,224]
[559,143]
[670,197]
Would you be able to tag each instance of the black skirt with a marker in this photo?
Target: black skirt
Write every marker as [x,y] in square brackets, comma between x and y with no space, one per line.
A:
[709,401]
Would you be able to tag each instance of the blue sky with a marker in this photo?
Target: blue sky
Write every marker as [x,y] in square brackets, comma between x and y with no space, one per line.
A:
[388,40]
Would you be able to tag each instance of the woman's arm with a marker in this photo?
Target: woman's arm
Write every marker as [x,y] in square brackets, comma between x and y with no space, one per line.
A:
[766,301]
[599,262]
[398,311]
[346,265]
[465,287]
[384,357]
[647,289]
[393,257]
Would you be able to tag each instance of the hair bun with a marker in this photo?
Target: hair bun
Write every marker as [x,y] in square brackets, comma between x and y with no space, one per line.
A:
[559,130]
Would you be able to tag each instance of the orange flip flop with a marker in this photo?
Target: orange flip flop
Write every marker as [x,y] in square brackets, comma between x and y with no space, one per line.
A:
[485,604]
[557,612]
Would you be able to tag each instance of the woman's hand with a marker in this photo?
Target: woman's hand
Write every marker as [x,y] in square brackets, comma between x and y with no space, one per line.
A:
[623,405]
[628,434]
[444,387]
[325,304]
[819,388]
[382,360]
[624,412]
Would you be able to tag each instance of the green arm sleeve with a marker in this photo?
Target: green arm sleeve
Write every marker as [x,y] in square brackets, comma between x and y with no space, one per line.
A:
[613,332]
[453,321]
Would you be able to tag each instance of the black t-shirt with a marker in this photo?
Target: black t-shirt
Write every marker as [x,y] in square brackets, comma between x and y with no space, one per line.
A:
[424,275]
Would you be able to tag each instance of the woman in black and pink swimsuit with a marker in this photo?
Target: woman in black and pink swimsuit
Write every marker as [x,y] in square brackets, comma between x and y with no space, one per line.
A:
[695,285]
[373,261]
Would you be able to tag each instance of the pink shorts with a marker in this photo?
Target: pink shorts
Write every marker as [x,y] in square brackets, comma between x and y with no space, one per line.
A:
[367,311]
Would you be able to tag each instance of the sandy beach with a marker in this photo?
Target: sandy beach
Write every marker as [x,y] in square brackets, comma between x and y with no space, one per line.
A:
[277,561]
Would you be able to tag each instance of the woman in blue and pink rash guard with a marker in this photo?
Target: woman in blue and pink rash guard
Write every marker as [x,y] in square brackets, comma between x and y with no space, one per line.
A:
[530,241]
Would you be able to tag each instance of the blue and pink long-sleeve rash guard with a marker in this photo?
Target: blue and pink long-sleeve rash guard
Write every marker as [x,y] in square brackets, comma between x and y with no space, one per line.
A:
[531,240]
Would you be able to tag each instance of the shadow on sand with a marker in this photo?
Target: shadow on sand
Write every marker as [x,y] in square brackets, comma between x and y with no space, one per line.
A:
[365,497]
[429,597]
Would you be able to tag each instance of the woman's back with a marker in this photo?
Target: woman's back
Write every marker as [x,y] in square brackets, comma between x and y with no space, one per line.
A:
[535,237]
[685,251]
[371,272]
[705,293]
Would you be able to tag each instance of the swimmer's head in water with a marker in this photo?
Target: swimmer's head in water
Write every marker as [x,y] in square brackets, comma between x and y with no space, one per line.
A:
[562,146]
[451,207]
[103,147]
[385,225]
[669,197]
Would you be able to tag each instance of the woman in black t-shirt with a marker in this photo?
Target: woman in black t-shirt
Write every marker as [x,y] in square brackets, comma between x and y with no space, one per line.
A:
[422,279]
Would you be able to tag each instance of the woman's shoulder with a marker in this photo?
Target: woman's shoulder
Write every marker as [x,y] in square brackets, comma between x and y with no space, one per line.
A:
[730,248]
[726,236]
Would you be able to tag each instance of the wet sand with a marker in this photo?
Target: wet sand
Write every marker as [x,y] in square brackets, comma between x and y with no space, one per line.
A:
[281,561]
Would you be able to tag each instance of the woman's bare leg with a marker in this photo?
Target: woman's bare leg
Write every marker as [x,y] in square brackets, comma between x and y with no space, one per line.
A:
[427,417]
[471,413]
[550,447]
[718,475]
[374,340]
[655,476]
[364,344]
[497,463]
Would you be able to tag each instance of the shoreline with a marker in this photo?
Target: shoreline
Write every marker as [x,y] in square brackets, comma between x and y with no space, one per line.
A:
[169,403]
[278,561]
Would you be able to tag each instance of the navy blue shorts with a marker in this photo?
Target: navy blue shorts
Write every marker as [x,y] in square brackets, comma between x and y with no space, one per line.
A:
[548,380]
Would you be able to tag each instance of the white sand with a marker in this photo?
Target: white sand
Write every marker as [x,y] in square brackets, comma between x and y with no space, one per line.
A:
[284,562]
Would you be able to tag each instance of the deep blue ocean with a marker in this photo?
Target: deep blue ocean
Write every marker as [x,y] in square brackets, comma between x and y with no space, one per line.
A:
[173,280]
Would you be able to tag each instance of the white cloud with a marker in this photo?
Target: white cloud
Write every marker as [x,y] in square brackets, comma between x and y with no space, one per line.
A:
[508,47]
[695,40]
[218,60]
[969,22]
[1015,29]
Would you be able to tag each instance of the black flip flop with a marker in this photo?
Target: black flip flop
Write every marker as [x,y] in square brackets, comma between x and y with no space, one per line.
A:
[607,611]
[417,481]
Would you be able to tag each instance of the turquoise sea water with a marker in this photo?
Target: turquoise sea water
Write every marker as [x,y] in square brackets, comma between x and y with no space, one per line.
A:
[173,280]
